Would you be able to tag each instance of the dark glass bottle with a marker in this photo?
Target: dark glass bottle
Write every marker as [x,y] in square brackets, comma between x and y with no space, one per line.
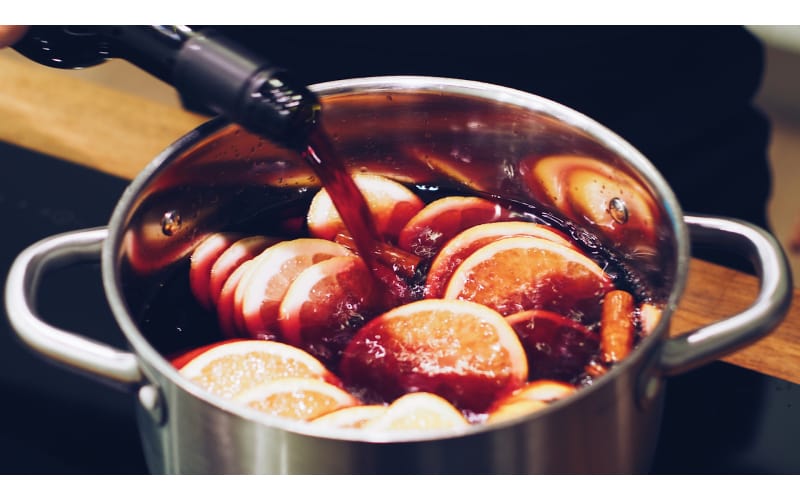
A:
[209,72]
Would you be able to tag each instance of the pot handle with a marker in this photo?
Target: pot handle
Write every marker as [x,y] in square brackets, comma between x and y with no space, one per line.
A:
[707,343]
[119,368]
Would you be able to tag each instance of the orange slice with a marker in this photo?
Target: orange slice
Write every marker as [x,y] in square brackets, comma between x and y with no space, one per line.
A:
[179,360]
[231,367]
[530,398]
[649,317]
[326,304]
[297,398]
[519,273]
[455,167]
[557,347]
[261,290]
[464,352]
[466,242]
[418,411]
[543,390]
[236,254]
[351,417]
[442,219]
[202,261]
[391,204]
[229,316]
[514,410]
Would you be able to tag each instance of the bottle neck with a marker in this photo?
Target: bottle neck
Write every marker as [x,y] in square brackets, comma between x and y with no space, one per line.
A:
[152,48]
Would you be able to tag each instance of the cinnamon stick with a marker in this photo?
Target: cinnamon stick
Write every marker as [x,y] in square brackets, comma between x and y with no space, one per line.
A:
[617,328]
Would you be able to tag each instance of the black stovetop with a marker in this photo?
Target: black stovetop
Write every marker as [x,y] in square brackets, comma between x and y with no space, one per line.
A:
[719,419]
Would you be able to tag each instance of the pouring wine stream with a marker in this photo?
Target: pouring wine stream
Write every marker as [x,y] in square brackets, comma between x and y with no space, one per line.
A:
[354,210]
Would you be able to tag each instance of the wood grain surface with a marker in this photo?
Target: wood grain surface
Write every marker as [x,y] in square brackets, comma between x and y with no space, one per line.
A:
[48,110]
[119,132]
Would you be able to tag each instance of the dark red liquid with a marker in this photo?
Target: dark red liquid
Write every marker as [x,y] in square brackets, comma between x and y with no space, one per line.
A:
[175,322]
[354,211]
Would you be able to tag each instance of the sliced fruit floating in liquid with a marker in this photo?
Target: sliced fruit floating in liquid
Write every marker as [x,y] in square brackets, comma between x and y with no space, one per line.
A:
[560,346]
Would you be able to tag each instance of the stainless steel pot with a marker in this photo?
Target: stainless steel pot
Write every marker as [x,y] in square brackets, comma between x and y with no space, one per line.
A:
[461,134]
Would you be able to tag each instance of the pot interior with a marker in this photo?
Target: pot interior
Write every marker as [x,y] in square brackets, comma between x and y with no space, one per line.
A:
[436,136]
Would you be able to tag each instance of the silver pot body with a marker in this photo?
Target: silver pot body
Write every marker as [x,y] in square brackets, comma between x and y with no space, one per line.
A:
[467,136]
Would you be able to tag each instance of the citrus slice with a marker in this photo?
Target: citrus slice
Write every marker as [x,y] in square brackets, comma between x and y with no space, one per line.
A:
[543,390]
[528,399]
[326,304]
[202,260]
[351,417]
[519,273]
[557,347]
[230,367]
[466,242]
[509,411]
[181,359]
[649,316]
[418,411]
[237,253]
[261,290]
[297,398]
[442,219]
[229,316]
[454,167]
[464,352]
[391,204]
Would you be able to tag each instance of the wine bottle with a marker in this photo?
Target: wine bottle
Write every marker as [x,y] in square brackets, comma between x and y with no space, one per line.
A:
[207,69]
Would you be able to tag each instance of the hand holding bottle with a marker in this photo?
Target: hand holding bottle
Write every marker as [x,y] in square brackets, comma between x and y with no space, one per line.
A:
[10,34]
[206,69]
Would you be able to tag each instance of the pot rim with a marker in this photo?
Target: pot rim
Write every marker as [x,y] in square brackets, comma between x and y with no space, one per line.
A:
[155,361]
